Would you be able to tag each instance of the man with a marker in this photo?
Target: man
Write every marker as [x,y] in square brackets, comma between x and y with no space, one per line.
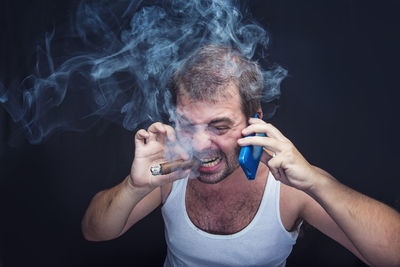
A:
[219,218]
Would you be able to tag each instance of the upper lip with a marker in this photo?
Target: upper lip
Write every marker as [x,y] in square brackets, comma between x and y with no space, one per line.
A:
[207,159]
[205,155]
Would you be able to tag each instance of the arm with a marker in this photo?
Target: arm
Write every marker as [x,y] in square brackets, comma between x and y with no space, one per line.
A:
[314,214]
[112,212]
[371,226]
[108,213]
[357,221]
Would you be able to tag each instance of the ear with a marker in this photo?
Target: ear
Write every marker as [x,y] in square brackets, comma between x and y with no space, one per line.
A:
[260,113]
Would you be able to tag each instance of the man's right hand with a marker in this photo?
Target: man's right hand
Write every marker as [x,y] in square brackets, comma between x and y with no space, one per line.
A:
[150,149]
[113,211]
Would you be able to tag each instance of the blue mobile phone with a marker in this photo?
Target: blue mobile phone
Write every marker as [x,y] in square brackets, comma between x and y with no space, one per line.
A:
[249,158]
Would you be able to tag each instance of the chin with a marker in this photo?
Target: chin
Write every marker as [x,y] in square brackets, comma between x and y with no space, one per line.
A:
[214,178]
[219,175]
[209,179]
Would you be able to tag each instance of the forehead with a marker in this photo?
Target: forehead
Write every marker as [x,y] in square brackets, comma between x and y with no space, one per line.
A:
[203,112]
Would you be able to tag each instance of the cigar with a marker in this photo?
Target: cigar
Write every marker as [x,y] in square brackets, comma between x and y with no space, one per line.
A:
[171,166]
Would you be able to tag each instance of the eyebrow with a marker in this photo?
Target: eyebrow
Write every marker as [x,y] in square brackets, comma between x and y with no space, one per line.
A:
[212,122]
[221,120]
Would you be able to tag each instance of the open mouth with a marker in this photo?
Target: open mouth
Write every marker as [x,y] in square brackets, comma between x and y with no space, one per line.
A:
[210,162]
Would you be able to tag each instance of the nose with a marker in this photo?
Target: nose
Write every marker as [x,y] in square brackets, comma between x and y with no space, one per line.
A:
[201,140]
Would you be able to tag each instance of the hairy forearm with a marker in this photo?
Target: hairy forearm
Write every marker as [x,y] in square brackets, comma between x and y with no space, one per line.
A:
[109,210]
[372,227]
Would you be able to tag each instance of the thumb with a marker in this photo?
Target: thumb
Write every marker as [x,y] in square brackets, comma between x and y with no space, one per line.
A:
[177,175]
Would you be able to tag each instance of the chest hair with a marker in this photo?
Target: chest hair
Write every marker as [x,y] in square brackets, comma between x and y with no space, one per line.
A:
[223,212]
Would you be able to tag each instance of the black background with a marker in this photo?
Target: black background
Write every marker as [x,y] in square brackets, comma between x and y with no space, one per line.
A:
[339,105]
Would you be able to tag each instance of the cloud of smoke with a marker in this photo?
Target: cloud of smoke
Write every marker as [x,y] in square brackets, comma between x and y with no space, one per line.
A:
[122,56]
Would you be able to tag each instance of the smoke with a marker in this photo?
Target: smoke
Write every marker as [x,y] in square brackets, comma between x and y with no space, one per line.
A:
[118,58]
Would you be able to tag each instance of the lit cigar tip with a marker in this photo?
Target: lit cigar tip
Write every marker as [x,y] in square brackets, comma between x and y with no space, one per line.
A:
[171,166]
[156,170]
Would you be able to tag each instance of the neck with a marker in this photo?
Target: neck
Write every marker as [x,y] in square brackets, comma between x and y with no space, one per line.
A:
[235,181]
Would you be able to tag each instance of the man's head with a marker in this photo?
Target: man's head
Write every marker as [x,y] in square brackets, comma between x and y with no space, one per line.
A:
[206,75]
[216,91]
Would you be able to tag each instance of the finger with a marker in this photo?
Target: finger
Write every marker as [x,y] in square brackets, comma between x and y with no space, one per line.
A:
[260,126]
[274,164]
[181,152]
[170,133]
[141,136]
[266,156]
[175,151]
[158,132]
[269,143]
[157,127]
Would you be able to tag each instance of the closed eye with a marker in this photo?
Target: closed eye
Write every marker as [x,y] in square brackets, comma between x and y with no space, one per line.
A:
[219,129]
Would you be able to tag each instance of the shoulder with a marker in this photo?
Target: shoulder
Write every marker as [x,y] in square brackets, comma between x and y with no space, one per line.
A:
[300,203]
[292,198]
[292,203]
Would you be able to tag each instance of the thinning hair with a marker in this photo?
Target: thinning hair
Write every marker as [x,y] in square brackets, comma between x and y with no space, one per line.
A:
[206,74]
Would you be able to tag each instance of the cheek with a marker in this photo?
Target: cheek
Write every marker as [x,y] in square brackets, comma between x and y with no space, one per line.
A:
[228,142]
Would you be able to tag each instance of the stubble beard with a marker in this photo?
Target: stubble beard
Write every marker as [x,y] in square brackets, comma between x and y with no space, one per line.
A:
[231,164]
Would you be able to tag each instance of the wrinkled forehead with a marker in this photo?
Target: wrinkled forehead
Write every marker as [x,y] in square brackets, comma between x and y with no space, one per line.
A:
[225,93]
[207,91]
[205,111]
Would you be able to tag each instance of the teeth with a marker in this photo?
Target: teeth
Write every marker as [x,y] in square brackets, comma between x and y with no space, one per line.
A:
[209,162]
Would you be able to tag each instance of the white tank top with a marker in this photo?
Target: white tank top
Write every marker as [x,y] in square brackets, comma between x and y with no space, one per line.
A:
[264,242]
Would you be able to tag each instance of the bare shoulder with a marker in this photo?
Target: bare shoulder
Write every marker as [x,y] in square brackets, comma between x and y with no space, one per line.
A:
[300,203]
[291,204]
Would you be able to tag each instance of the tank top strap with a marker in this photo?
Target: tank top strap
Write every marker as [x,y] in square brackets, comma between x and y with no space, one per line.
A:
[178,189]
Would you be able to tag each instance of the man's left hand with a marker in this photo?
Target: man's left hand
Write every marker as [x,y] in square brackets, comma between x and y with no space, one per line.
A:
[280,155]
